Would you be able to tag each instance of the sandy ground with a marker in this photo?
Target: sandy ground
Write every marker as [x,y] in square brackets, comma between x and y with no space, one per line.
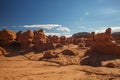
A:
[21,68]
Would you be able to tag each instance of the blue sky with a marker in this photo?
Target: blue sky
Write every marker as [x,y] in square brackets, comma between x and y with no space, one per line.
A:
[60,17]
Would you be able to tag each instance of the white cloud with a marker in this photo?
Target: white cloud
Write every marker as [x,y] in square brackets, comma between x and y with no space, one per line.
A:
[44,26]
[68,35]
[48,26]
[57,34]
[114,29]
[63,29]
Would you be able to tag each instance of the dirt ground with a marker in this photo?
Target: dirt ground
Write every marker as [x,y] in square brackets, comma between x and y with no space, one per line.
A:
[28,67]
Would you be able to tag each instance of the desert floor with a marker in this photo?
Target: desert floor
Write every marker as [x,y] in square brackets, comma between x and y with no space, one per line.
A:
[28,67]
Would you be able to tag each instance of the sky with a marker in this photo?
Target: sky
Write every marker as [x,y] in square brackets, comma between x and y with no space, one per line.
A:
[60,17]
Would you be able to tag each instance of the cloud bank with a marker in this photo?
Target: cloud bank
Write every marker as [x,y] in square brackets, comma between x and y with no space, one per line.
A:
[44,26]
[49,27]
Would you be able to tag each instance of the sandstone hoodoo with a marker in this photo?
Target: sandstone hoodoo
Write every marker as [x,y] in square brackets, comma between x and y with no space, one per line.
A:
[63,40]
[7,37]
[25,39]
[39,40]
[105,44]
[90,39]
[55,39]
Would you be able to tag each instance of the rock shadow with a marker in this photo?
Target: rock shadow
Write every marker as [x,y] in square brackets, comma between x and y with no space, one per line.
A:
[95,59]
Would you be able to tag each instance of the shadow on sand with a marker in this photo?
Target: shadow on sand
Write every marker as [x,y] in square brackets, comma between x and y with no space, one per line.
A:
[95,59]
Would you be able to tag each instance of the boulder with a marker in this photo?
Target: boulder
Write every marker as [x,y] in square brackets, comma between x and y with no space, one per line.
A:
[59,45]
[69,52]
[7,37]
[50,54]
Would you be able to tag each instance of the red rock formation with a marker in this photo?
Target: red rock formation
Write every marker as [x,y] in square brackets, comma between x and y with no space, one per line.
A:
[104,44]
[63,40]
[49,45]
[90,39]
[7,37]
[25,39]
[50,54]
[69,40]
[39,40]
[69,52]
[108,31]
[77,41]
[2,51]
[55,39]
[59,45]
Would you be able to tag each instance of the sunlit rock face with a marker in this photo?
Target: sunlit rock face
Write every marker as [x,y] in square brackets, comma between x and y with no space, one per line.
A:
[105,44]
[7,37]
[39,40]
[25,39]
